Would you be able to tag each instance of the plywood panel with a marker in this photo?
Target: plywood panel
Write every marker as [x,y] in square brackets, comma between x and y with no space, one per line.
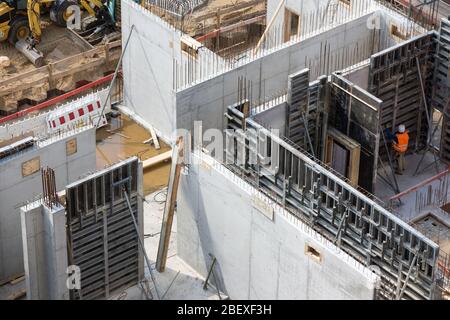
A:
[31,166]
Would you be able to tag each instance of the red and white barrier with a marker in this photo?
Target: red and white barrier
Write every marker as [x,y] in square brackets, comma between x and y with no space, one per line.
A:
[83,111]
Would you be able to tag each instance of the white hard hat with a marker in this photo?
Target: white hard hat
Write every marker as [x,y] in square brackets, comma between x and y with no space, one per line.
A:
[401,128]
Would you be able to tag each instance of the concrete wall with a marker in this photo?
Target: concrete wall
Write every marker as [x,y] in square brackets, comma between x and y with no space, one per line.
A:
[259,257]
[148,67]
[273,118]
[16,189]
[45,251]
[208,100]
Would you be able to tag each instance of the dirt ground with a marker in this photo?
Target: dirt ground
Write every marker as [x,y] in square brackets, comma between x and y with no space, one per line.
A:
[55,44]
[123,138]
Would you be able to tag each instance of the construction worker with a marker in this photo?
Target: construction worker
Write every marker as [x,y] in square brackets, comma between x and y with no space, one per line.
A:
[400,145]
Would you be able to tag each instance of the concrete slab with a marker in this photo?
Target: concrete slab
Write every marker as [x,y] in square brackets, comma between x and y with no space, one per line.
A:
[407,209]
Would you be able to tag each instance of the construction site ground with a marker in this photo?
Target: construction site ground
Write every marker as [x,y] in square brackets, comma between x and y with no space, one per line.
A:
[70,61]
[406,209]
[123,138]
[55,45]
[205,18]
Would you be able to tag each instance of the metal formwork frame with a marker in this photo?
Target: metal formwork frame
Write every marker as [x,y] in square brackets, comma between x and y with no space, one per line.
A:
[441,96]
[102,239]
[355,113]
[394,78]
[356,223]
[306,111]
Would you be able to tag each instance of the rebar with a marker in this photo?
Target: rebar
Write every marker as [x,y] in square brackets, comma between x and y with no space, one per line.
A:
[50,196]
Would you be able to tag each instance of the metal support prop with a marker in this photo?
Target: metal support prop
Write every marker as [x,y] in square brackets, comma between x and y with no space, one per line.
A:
[116,72]
[428,148]
[427,112]
[390,160]
[205,285]
[211,271]
[141,243]
[413,263]
[307,135]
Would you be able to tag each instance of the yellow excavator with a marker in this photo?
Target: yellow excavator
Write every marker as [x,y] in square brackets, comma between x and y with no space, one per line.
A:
[20,20]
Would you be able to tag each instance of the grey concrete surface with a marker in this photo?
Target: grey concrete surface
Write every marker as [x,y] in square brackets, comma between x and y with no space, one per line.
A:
[273,118]
[45,251]
[259,257]
[407,209]
[148,67]
[15,189]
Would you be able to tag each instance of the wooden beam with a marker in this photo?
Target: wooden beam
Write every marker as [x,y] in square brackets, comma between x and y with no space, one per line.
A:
[272,20]
[154,138]
[12,278]
[169,209]
[17,295]
[157,159]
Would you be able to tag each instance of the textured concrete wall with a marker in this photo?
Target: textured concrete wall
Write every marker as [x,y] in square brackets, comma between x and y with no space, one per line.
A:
[273,118]
[45,251]
[148,67]
[33,249]
[16,189]
[207,101]
[259,257]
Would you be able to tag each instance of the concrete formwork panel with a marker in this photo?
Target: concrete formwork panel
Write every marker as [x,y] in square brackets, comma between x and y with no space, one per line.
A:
[394,78]
[355,113]
[102,238]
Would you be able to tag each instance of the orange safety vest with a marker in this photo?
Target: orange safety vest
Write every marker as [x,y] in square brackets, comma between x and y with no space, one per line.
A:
[403,140]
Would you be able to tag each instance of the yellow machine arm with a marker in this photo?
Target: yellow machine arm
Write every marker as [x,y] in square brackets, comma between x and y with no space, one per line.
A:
[96,3]
[34,13]
[34,17]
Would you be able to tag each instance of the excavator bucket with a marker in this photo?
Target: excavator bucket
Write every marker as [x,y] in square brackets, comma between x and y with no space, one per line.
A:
[34,55]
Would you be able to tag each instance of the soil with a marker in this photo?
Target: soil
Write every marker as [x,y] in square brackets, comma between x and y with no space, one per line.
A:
[55,45]
[123,138]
